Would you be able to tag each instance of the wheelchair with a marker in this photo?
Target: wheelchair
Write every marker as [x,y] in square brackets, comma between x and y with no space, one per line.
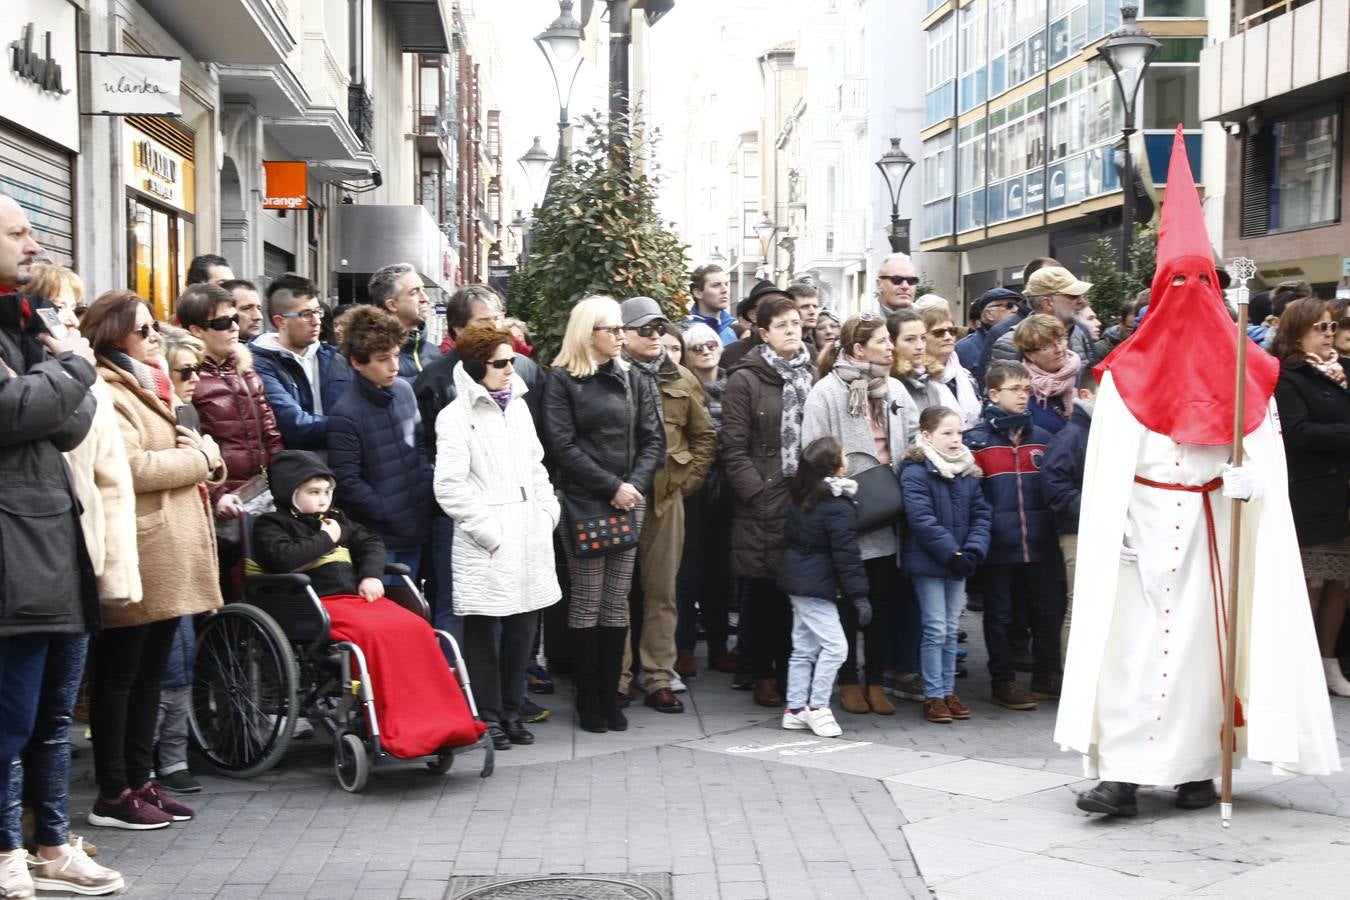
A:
[268,661]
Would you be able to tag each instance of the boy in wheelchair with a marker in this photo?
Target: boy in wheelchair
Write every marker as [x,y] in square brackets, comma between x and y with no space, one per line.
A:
[420,705]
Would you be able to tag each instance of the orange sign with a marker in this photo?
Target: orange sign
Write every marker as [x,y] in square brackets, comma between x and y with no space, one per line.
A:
[286,185]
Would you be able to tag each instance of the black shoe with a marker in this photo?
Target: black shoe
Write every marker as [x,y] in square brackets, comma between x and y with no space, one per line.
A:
[1196,795]
[531,712]
[624,699]
[961,637]
[1113,798]
[516,732]
[500,741]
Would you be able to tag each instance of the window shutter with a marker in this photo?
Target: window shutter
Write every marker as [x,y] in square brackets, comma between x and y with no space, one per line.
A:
[1257,167]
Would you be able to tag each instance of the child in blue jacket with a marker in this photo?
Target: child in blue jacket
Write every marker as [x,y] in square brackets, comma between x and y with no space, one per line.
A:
[820,559]
[948,537]
[1010,450]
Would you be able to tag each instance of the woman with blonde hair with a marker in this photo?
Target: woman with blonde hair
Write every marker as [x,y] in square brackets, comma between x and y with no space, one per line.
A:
[601,423]
[940,345]
[184,354]
[1043,342]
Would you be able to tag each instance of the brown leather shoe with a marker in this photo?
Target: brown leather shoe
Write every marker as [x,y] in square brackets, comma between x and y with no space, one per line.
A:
[1012,695]
[878,701]
[935,710]
[852,700]
[664,700]
[686,666]
[723,660]
[767,693]
[954,706]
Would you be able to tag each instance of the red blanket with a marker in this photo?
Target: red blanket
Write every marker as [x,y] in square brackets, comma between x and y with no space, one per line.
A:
[417,698]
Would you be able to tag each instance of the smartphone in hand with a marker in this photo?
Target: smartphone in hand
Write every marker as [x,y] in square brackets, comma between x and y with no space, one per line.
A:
[52,322]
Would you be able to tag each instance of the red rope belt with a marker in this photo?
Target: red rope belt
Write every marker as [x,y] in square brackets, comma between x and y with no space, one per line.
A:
[1215,576]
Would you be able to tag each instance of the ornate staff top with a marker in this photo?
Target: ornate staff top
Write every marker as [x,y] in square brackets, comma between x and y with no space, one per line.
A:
[1240,269]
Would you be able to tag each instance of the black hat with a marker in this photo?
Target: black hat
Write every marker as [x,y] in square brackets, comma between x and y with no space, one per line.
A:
[762,289]
[994,295]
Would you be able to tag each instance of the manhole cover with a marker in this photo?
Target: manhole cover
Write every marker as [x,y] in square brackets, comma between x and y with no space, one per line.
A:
[566,887]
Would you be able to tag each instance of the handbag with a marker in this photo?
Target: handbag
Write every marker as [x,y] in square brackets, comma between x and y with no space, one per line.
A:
[879,498]
[594,528]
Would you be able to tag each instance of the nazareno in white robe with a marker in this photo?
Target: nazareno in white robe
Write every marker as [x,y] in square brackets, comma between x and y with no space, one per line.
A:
[1141,699]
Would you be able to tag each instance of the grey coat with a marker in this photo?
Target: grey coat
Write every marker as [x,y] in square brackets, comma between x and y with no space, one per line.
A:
[827,415]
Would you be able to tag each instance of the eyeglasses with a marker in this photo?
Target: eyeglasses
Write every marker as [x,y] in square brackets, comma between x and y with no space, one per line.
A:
[308,315]
[657,328]
[500,363]
[188,372]
[1327,327]
[1053,345]
[948,331]
[144,330]
[704,348]
[1014,389]
[222,323]
[897,280]
[614,330]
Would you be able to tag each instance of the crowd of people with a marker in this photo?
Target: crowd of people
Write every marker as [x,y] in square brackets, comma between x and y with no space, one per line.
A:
[818,496]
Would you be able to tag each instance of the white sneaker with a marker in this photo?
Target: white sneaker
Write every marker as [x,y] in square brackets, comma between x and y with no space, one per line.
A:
[677,683]
[75,872]
[15,882]
[821,722]
[796,721]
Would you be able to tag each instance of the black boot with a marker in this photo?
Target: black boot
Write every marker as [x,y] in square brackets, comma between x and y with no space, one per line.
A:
[1114,798]
[586,674]
[611,664]
[1196,795]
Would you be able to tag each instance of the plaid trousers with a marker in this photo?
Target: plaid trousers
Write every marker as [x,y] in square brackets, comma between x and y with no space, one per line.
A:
[600,584]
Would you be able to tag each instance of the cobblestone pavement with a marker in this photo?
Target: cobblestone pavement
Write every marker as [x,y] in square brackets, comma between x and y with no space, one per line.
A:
[732,807]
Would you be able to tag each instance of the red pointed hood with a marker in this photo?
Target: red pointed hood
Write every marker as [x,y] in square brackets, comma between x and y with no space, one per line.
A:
[1176,373]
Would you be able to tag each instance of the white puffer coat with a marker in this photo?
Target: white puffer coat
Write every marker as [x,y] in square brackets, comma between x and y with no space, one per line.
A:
[490,479]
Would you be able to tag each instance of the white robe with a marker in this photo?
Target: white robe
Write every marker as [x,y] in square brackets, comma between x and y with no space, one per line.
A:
[1141,699]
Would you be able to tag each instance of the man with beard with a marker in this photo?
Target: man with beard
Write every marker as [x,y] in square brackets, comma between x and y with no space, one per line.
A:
[398,289]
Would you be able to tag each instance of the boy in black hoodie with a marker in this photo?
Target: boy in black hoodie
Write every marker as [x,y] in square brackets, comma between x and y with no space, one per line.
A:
[306,535]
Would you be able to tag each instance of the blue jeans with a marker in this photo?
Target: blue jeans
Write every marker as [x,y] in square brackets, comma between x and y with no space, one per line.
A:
[940,601]
[818,650]
[410,558]
[23,658]
[44,772]
[442,597]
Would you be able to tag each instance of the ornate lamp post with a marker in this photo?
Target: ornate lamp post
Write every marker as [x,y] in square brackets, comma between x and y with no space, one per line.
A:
[765,230]
[535,164]
[1128,51]
[895,165]
[560,43]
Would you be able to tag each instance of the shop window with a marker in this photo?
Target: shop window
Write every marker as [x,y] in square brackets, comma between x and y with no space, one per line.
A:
[1172,95]
[1174,9]
[1291,174]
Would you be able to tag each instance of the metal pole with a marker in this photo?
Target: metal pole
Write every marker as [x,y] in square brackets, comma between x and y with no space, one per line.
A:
[620,37]
[896,239]
[1127,204]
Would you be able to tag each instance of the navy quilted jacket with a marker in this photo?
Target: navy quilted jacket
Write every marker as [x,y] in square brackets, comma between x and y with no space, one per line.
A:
[945,515]
[1023,525]
[374,448]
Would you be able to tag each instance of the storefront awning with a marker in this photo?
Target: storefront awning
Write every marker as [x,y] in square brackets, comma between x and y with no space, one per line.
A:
[422,26]
[371,237]
[226,31]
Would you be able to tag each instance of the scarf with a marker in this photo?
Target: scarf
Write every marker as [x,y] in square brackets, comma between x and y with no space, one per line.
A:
[796,375]
[963,387]
[868,386]
[501,397]
[714,390]
[950,467]
[1330,367]
[841,487]
[1006,422]
[651,366]
[1046,386]
[150,378]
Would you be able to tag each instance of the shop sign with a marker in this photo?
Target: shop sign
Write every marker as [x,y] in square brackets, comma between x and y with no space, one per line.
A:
[154,169]
[130,84]
[38,80]
[285,185]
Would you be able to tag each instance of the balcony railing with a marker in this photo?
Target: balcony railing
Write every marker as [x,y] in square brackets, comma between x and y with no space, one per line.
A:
[360,114]
[1271,11]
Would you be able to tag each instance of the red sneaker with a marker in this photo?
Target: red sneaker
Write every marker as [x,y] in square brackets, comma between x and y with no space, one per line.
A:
[153,796]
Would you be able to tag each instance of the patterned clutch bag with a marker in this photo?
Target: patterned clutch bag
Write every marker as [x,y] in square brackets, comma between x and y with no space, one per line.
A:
[593,530]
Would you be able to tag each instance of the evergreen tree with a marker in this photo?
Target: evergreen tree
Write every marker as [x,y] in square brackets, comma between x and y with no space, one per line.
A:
[1112,288]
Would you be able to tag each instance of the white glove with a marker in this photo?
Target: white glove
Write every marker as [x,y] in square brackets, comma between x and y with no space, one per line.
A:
[1241,483]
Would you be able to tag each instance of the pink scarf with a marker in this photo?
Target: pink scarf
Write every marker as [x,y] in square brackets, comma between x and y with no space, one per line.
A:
[1330,367]
[1046,386]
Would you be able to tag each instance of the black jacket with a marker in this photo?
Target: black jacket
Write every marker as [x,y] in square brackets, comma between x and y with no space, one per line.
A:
[820,552]
[435,390]
[1062,471]
[46,580]
[288,541]
[1315,418]
[602,434]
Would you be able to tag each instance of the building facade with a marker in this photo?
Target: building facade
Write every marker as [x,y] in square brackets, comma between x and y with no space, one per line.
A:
[1278,86]
[1022,119]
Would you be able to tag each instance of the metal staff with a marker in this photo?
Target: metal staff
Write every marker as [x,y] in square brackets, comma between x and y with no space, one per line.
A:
[1240,270]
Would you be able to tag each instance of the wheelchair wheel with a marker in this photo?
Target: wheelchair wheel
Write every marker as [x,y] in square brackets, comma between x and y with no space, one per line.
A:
[442,763]
[244,702]
[350,763]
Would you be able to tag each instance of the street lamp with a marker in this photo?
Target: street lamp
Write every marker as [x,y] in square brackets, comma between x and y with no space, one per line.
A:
[560,43]
[535,164]
[895,166]
[765,230]
[1128,51]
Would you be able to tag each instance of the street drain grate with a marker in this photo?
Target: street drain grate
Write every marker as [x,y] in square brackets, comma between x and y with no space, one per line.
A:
[562,887]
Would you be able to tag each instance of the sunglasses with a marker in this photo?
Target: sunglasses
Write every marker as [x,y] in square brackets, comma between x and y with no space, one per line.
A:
[703,348]
[222,323]
[499,363]
[897,280]
[614,330]
[657,328]
[144,330]
[1327,327]
[188,372]
[309,314]
[948,331]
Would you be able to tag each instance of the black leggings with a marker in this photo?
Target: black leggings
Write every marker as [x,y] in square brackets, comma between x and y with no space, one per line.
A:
[497,670]
[881,578]
[126,666]
[770,629]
